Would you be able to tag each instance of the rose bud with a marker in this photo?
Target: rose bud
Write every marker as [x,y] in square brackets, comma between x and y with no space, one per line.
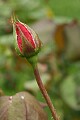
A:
[27,41]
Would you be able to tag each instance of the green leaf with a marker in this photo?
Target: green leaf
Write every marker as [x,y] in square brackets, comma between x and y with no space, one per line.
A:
[67,8]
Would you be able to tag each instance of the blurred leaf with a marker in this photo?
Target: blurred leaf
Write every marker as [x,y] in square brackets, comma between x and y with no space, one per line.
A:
[67,8]
[31,9]
[68,90]
[1,93]
[59,38]
[7,40]
[67,41]
[45,29]
[21,106]
[72,41]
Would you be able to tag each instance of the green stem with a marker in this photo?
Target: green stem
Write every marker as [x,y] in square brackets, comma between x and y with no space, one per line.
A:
[44,92]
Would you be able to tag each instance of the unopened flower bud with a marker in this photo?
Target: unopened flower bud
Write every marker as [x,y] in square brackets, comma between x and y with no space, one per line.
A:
[27,41]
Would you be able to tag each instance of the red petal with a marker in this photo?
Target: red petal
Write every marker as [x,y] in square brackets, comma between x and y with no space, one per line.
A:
[27,33]
[19,40]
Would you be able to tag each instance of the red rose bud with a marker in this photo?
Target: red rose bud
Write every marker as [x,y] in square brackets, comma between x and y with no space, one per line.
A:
[27,41]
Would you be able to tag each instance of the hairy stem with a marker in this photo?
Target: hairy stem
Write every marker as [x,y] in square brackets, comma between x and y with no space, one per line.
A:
[45,94]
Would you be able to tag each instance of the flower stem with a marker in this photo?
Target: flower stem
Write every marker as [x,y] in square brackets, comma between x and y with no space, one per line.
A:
[45,94]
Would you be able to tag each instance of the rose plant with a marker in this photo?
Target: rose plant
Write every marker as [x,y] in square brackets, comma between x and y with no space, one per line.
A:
[28,45]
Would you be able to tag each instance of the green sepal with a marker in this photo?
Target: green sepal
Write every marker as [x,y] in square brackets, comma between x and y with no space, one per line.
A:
[33,60]
[34,53]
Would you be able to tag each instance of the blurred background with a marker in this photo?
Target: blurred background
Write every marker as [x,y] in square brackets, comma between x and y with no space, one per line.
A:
[58,26]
